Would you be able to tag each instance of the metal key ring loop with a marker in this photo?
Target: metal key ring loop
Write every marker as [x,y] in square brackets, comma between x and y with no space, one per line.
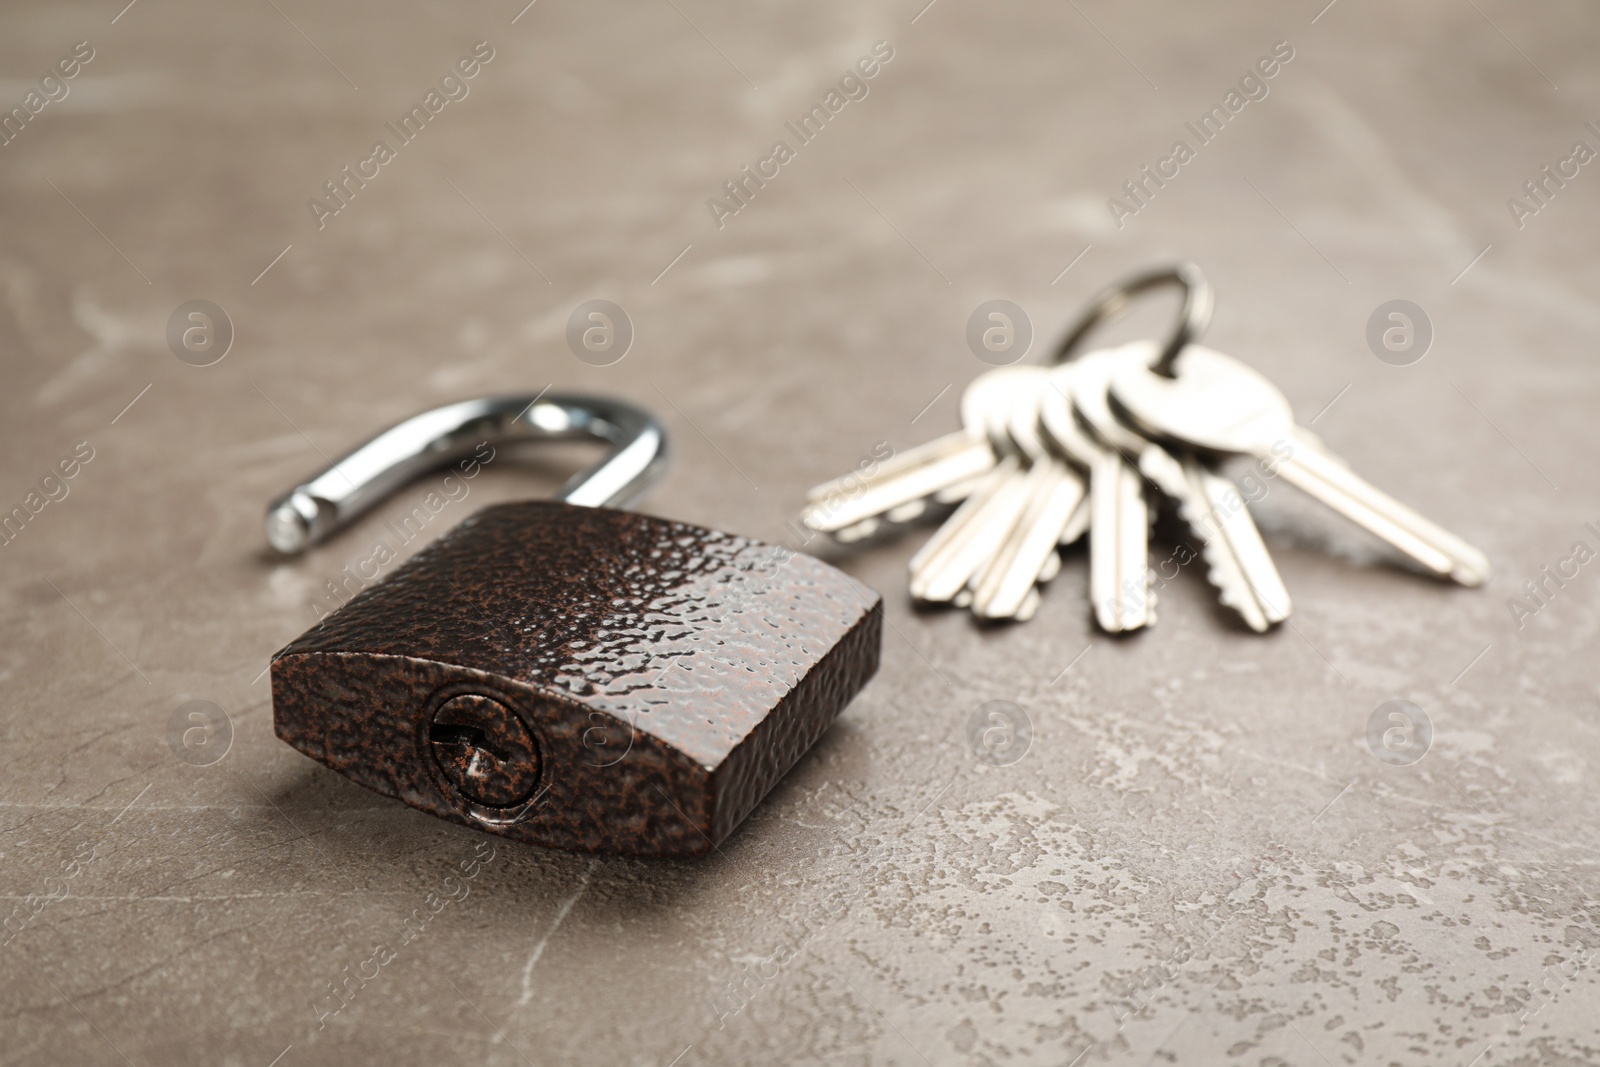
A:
[1198,300]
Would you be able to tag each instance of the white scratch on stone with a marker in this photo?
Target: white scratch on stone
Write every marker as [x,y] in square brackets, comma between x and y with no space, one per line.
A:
[132,802]
[538,949]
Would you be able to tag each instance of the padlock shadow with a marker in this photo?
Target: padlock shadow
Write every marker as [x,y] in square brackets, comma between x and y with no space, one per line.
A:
[390,848]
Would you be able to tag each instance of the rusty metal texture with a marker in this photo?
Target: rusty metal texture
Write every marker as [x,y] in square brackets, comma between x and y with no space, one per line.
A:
[584,678]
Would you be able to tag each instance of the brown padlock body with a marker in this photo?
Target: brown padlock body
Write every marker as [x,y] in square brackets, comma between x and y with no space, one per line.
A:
[669,675]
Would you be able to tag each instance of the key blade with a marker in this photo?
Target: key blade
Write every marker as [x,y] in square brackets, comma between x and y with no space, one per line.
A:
[1165,471]
[951,531]
[906,512]
[978,543]
[1330,483]
[1237,562]
[1467,565]
[859,532]
[1119,546]
[909,487]
[1217,404]
[1078,525]
[1133,550]
[959,491]
[893,467]
[1013,428]
[1241,568]
[1037,483]
[1022,563]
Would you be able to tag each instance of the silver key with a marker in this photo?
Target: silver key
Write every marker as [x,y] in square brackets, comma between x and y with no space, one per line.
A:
[1120,586]
[969,539]
[904,485]
[1238,563]
[1218,405]
[947,540]
[1007,586]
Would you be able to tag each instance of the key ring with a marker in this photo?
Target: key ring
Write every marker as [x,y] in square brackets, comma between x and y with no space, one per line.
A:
[1198,300]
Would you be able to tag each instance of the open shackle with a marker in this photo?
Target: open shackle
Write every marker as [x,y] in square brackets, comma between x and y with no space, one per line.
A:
[333,498]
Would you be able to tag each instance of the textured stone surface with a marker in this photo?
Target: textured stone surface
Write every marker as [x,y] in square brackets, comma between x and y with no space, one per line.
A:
[1198,861]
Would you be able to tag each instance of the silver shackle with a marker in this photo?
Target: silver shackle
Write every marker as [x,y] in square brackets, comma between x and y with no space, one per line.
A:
[333,498]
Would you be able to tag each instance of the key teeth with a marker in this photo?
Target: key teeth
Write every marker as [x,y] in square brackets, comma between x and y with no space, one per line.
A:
[1254,613]
[1216,573]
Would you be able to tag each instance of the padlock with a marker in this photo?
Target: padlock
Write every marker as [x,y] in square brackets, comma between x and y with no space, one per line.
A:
[563,672]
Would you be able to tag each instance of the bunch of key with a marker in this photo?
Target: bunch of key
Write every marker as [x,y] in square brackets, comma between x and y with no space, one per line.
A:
[1092,445]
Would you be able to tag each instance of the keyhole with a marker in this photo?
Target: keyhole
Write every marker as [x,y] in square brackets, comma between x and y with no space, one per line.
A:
[457,735]
[484,750]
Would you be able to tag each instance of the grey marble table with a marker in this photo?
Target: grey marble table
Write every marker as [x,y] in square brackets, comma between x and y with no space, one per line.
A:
[1199,859]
